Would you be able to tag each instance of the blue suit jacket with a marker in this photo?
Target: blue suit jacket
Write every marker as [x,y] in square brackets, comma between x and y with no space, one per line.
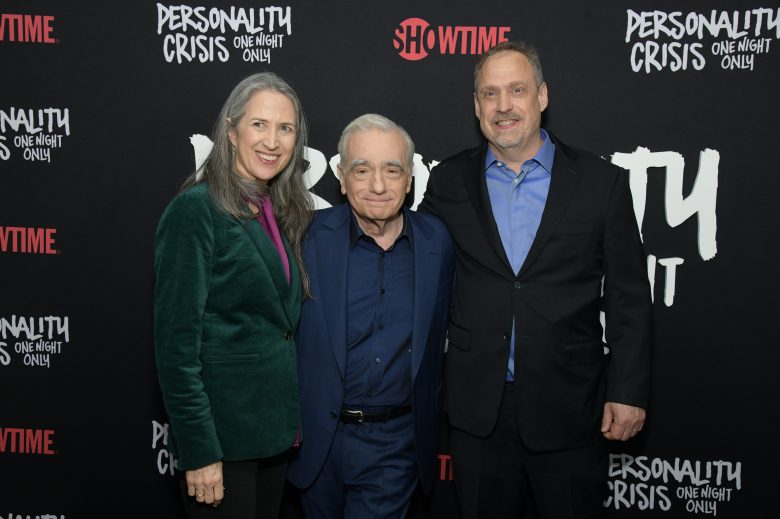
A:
[322,337]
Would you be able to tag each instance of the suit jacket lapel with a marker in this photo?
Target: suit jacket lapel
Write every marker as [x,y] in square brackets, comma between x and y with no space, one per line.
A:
[273,263]
[563,182]
[332,262]
[476,184]
[426,281]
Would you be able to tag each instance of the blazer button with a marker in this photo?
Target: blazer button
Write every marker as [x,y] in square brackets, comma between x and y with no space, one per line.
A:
[333,414]
[517,284]
[287,335]
[507,337]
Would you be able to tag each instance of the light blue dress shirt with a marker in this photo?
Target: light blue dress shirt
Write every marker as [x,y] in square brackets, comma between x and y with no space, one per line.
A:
[517,200]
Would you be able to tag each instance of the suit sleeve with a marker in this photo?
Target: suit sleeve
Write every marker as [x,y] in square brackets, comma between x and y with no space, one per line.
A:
[628,305]
[184,248]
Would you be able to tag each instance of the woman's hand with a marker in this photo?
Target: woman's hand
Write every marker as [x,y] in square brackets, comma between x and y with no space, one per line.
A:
[206,484]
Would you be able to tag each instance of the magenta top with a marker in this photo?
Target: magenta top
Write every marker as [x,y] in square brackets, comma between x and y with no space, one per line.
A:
[266,218]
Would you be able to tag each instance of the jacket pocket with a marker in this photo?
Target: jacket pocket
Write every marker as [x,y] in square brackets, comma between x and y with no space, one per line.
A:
[231,359]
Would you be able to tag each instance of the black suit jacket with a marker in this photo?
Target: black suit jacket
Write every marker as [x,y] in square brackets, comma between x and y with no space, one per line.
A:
[563,376]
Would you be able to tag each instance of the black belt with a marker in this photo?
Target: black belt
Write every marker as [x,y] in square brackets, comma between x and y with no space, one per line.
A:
[358,416]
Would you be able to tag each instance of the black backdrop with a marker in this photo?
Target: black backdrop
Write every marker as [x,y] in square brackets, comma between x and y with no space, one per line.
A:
[96,116]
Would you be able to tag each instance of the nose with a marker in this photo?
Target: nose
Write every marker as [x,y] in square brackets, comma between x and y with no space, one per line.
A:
[377,182]
[271,140]
[503,103]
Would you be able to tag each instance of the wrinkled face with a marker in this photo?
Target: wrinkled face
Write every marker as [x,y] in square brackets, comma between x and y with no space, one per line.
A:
[508,103]
[264,138]
[375,176]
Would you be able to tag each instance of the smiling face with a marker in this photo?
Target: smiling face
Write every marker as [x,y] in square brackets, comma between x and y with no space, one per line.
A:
[509,106]
[375,176]
[264,138]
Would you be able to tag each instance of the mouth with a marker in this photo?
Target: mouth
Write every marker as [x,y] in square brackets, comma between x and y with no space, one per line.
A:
[505,124]
[267,158]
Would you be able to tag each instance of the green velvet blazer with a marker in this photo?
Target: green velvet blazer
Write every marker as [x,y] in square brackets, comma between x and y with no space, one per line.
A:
[224,318]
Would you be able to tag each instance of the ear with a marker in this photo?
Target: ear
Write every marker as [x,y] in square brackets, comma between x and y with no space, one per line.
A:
[541,96]
[409,182]
[231,131]
[476,105]
[341,179]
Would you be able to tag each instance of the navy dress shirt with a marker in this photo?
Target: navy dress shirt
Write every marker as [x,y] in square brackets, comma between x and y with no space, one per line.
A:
[380,289]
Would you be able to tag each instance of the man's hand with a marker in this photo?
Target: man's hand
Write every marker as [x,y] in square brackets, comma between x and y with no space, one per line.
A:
[206,485]
[621,422]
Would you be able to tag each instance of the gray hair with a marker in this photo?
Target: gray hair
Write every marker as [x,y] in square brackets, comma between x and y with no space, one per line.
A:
[526,49]
[368,122]
[230,191]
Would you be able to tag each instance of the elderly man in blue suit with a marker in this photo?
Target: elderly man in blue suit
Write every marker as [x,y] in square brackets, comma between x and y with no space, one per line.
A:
[371,336]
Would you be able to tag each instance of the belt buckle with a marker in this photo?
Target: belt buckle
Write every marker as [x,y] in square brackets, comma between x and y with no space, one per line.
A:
[355,414]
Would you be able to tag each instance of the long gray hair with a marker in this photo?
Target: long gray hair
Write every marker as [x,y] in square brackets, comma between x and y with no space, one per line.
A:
[230,191]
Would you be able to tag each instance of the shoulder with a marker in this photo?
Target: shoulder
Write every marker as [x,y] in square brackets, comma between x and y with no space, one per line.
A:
[586,161]
[329,217]
[459,160]
[429,227]
[427,221]
[193,199]
[189,208]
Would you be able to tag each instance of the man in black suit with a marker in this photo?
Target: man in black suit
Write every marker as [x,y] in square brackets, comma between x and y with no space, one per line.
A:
[545,238]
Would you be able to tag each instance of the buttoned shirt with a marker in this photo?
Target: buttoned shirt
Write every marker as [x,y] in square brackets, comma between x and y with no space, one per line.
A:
[517,200]
[380,290]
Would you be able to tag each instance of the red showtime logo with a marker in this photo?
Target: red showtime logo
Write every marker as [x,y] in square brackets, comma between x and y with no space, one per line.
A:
[26,441]
[27,28]
[27,240]
[414,39]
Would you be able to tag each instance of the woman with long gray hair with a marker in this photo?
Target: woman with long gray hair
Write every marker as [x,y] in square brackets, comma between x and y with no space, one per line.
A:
[229,282]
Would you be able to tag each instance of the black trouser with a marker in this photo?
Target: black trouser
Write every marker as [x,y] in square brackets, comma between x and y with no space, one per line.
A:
[253,490]
[497,477]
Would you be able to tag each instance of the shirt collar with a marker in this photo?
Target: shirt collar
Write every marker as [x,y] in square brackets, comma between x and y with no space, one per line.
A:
[356,233]
[544,157]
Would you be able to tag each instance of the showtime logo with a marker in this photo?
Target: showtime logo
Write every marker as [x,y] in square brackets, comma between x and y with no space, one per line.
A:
[415,38]
[27,28]
[28,240]
[26,441]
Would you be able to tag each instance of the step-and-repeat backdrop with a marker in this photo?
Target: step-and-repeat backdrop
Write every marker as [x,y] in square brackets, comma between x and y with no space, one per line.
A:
[107,106]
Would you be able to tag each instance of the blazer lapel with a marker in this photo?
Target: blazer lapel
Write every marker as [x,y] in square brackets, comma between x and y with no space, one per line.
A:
[427,264]
[476,184]
[273,263]
[332,262]
[563,182]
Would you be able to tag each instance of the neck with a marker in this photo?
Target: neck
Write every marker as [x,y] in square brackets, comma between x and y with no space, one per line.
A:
[515,156]
[384,232]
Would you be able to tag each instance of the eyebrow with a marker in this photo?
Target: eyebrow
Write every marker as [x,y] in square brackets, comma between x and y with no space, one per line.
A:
[363,162]
[510,85]
[266,120]
[357,162]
